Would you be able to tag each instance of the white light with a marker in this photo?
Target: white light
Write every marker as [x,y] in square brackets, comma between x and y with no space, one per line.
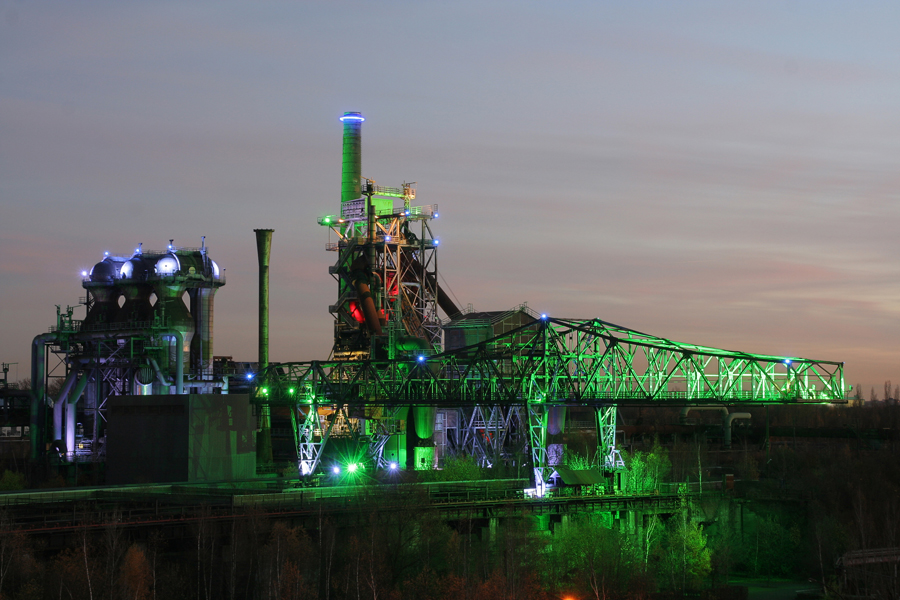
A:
[544,316]
[335,469]
[437,242]
[421,359]
[393,466]
[249,375]
[106,254]
[436,215]
[387,238]
[84,273]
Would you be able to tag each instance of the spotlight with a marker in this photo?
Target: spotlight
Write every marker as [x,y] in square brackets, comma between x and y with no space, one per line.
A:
[336,470]
[393,466]
[351,468]
[421,359]
[249,375]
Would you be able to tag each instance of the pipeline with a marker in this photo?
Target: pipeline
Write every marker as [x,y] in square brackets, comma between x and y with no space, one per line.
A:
[726,427]
[70,412]
[60,402]
[687,409]
[37,389]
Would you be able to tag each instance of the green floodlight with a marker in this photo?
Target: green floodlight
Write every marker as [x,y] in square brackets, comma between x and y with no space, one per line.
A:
[291,391]
[265,391]
[352,467]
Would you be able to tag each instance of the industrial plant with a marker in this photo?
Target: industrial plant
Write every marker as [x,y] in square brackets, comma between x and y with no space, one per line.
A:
[411,380]
[434,444]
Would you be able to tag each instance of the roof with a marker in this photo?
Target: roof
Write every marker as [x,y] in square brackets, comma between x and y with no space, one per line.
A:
[579,476]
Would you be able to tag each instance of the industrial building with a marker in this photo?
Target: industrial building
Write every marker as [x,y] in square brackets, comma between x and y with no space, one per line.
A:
[410,380]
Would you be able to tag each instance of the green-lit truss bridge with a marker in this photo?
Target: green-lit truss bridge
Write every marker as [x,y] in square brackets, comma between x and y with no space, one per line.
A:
[546,363]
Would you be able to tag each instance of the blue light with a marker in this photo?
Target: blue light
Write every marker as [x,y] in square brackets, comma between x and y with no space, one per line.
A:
[421,358]
[352,117]
[249,375]
[436,215]
[437,242]
[84,273]
[406,213]
[387,238]
[787,361]
[544,316]
[336,470]
[106,254]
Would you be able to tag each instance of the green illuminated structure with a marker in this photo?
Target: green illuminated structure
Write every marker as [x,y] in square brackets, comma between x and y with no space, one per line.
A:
[551,362]
[507,374]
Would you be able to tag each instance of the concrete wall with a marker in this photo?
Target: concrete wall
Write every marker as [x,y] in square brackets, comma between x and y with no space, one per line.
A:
[188,438]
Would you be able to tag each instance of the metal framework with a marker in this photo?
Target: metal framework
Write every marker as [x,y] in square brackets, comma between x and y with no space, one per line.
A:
[554,362]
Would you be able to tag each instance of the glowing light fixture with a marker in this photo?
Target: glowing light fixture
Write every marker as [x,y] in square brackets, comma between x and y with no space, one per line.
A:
[387,238]
[393,466]
[336,470]
[84,273]
[436,215]
[544,316]
[421,358]
[265,391]
[249,375]
[352,467]
[787,361]
[353,117]
[291,391]
[437,242]
[326,220]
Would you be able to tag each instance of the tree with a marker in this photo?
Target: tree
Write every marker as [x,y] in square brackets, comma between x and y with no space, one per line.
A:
[135,574]
[683,558]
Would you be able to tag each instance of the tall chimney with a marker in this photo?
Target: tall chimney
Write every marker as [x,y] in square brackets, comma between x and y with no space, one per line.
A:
[351,168]
[263,249]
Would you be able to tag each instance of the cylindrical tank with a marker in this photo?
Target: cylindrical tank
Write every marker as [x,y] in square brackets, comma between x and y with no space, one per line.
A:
[104,293]
[170,287]
[133,284]
[202,343]
[351,169]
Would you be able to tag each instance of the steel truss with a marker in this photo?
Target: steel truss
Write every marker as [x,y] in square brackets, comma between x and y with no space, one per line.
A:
[559,362]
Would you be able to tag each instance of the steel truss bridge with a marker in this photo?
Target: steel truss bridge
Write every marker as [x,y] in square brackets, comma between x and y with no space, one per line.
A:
[522,376]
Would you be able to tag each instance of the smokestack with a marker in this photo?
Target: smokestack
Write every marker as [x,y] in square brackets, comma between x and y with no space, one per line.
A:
[263,249]
[351,169]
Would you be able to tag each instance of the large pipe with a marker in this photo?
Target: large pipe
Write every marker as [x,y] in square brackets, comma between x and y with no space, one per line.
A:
[726,427]
[60,402]
[70,413]
[687,409]
[37,390]
[263,249]
[351,167]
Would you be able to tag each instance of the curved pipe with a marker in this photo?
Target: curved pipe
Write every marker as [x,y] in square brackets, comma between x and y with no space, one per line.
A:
[364,295]
[726,426]
[60,402]
[179,348]
[70,412]
[37,390]
[687,409]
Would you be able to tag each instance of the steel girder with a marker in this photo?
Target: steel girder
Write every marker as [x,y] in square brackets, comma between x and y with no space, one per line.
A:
[560,362]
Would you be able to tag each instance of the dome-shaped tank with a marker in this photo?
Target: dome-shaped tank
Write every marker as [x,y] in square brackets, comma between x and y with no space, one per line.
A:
[104,293]
[167,265]
[134,269]
[104,272]
[136,309]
